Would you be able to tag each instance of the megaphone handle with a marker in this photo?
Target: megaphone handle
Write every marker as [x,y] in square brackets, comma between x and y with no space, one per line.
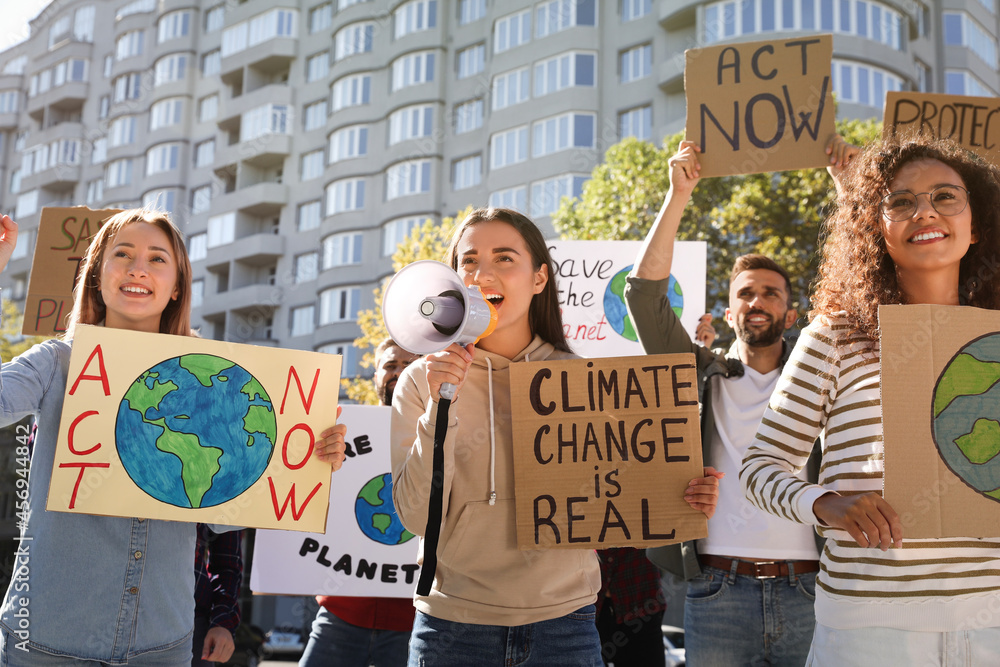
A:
[435,503]
[447,390]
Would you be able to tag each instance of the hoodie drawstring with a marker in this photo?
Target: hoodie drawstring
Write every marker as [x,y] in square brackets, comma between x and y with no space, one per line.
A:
[493,444]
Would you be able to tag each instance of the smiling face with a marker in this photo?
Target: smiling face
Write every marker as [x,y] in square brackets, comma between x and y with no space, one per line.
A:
[138,277]
[758,307]
[928,241]
[494,256]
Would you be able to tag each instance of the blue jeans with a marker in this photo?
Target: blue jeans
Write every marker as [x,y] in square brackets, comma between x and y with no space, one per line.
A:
[865,647]
[336,642]
[570,641]
[732,619]
[12,656]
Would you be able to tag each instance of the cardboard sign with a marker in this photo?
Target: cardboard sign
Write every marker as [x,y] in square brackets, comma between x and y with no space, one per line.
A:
[186,429]
[64,235]
[603,451]
[591,276]
[941,419]
[760,106]
[972,122]
[365,551]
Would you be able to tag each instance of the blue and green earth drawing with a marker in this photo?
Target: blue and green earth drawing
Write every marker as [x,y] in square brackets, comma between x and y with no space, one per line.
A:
[195,430]
[614,303]
[376,514]
[966,419]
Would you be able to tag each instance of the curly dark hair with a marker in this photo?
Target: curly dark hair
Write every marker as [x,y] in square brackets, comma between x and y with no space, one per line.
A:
[856,273]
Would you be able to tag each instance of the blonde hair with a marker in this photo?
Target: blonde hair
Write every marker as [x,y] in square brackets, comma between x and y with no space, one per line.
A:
[88,305]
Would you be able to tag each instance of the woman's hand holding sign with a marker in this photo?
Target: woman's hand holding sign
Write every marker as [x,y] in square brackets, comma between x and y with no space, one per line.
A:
[8,240]
[703,492]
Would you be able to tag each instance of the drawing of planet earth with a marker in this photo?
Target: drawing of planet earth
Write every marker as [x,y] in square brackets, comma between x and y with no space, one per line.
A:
[614,303]
[376,514]
[966,419]
[195,430]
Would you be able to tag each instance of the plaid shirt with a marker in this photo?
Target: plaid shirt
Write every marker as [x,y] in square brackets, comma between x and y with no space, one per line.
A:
[630,583]
[218,575]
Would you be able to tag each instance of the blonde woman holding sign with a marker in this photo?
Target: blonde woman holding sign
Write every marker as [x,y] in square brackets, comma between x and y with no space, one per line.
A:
[96,590]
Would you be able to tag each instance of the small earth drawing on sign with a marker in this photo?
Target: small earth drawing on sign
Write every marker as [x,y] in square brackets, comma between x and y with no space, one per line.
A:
[376,514]
[195,431]
[614,303]
[966,415]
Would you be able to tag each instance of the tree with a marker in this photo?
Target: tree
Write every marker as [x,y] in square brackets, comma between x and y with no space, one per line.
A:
[776,214]
[428,241]
[12,342]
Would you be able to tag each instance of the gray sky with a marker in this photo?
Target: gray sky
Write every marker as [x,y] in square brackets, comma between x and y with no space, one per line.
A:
[16,14]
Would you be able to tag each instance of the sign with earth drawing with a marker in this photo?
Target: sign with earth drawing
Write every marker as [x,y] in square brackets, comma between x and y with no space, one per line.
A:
[591,280]
[185,429]
[366,551]
[941,418]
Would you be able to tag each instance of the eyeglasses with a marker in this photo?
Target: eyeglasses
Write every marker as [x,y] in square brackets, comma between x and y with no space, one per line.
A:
[946,200]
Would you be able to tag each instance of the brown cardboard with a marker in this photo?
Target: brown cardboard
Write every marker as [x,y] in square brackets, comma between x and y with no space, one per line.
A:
[923,411]
[637,497]
[760,106]
[64,235]
[972,122]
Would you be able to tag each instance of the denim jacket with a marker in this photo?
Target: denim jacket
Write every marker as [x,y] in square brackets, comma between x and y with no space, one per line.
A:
[87,587]
[660,332]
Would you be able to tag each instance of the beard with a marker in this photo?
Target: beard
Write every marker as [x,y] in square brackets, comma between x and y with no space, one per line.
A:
[757,337]
[385,393]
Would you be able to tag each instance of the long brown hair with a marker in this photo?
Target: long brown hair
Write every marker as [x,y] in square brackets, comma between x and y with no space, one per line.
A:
[88,306]
[856,273]
[544,315]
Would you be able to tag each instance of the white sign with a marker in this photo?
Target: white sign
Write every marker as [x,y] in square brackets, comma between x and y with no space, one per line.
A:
[366,551]
[591,279]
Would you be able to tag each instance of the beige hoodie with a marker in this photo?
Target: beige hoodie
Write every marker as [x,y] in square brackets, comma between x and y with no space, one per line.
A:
[481,575]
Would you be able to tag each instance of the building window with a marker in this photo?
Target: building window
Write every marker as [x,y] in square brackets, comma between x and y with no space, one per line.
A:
[957,82]
[346,349]
[395,232]
[127,87]
[122,131]
[635,9]
[198,247]
[352,91]
[221,229]
[264,120]
[515,198]
[354,39]
[164,157]
[511,88]
[15,182]
[27,204]
[109,63]
[511,31]
[135,7]
[310,215]
[408,178]
[471,60]
[201,199]
[166,113]
[208,108]
[341,250]
[339,304]
[318,66]
[467,172]
[320,18]
[215,18]
[564,71]
[197,293]
[269,25]
[344,4]
[306,267]
[349,142]
[546,195]
[563,132]
[129,45]
[863,84]
[345,195]
[118,173]
[314,115]
[471,10]
[95,191]
[161,200]
[173,26]
[105,107]
[509,147]
[169,69]
[468,116]
[59,32]
[960,29]
[211,63]
[99,151]
[415,16]
[204,153]
[412,69]
[83,24]
[311,166]
[923,77]
[411,123]
[636,63]
[557,15]
[303,320]
[9,101]
[636,123]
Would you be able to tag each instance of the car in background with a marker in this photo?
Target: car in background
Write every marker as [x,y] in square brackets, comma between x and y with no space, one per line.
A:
[673,645]
[284,641]
[249,651]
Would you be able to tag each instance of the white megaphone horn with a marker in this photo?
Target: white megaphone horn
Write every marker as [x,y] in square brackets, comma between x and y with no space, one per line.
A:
[426,307]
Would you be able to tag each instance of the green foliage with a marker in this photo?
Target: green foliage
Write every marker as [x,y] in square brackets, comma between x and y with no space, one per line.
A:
[776,214]
[12,342]
[428,241]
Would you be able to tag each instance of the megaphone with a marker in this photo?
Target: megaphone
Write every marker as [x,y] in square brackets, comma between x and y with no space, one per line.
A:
[427,307]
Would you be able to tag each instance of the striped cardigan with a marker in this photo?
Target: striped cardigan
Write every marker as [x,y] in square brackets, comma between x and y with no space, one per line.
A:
[830,389]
